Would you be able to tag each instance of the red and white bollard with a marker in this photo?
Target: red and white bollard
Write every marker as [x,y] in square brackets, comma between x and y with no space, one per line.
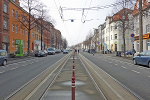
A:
[73,88]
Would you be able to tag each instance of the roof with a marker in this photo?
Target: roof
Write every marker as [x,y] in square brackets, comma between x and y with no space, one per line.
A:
[144,7]
[121,13]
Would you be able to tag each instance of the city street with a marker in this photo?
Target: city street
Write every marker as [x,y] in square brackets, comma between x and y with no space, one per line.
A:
[15,75]
[133,78]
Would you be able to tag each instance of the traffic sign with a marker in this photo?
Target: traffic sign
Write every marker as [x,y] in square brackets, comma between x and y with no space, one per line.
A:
[132,35]
[132,39]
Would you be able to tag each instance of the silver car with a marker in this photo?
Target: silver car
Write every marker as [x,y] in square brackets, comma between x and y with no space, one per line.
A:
[3,57]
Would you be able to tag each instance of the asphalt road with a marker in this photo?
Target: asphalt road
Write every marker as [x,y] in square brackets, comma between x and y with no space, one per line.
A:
[134,77]
[17,73]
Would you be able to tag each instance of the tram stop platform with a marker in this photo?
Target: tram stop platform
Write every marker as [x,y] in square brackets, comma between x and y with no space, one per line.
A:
[85,88]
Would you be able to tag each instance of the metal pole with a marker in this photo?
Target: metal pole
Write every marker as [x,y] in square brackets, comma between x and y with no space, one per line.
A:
[73,81]
[140,27]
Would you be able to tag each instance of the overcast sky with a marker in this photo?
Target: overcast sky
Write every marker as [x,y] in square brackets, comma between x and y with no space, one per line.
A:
[75,32]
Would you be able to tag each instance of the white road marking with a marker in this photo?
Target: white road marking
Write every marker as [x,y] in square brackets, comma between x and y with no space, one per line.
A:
[14,68]
[124,67]
[15,63]
[3,66]
[116,64]
[24,65]
[2,72]
[148,76]
[110,62]
[135,71]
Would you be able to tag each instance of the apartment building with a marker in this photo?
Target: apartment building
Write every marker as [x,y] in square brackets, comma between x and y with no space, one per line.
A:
[4,25]
[111,32]
[18,26]
[146,24]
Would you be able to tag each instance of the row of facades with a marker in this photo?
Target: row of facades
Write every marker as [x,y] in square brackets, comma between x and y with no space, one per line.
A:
[12,18]
[109,35]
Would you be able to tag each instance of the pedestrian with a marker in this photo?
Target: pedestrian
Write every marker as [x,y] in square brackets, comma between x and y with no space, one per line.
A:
[133,52]
[78,51]
[93,52]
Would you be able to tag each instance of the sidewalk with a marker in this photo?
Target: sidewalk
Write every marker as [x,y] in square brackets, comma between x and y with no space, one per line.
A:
[114,55]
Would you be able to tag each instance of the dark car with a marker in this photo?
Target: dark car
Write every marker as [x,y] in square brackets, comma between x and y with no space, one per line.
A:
[3,57]
[65,52]
[129,53]
[142,58]
[41,53]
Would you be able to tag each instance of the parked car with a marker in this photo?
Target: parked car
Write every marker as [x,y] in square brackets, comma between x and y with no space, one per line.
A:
[51,50]
[3,57]
[65,51]
[41,53]
[57,51]
[45,52]
[142,58]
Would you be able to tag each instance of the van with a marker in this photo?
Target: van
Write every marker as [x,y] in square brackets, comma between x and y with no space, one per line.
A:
[3,57]
[51,50]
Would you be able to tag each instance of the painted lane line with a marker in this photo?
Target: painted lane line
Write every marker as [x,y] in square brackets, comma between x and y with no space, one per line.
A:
[2,72]
[14,68]
[15,63]
[135,71]
[148,76]
[25,65]
[3,66]
[116,64]
[142,68]
[110,62]
[124,67]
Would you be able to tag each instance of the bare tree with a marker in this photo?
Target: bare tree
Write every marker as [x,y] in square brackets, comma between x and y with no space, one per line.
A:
[31,7]
[124,20]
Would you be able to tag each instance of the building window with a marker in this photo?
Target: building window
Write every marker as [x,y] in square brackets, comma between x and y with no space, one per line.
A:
[27,44]
[148,1]
[35,36]
[115,26]
[111,28]
[16,15]
[32,34]
[115,36]
[13,12]
[21,18]
[5,8]
[23,44]
[14,0]
[137,31]
[5,24]
[13,43]
[13,27]
[21,30]
[27,33]
[137,5]
[148,28]
[16,28]
[111,37]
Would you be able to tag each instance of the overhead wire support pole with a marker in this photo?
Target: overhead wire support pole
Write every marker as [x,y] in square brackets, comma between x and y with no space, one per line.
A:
[140,27]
